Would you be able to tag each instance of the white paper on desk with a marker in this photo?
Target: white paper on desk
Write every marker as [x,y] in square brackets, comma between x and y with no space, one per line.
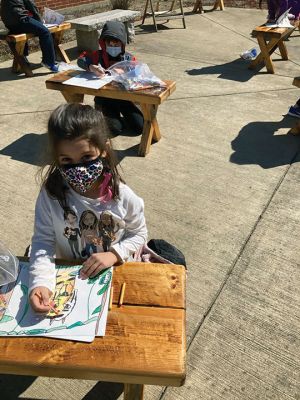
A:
[81,306]
[88,80]
[50,25]
[282,21]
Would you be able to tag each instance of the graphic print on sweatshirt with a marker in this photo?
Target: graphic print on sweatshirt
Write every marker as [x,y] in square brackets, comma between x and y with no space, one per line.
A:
[92,235]
[71,231]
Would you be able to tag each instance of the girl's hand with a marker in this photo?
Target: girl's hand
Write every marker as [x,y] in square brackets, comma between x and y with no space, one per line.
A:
[39,299]
[97,69]
[96,263]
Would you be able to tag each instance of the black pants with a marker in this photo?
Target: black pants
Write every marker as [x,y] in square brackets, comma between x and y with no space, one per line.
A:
[114,109]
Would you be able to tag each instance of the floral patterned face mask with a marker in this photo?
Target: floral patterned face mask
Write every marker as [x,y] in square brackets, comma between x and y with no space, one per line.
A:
[82,176]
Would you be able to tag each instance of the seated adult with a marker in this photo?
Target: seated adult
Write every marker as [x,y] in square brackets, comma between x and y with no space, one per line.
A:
[22,16]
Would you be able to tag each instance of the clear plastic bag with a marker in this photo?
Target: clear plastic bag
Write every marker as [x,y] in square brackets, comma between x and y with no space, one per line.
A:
[133,75]
[9,266]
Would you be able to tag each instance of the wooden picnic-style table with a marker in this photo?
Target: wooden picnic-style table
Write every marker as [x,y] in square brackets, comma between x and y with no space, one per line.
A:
[145,341]
[148,99]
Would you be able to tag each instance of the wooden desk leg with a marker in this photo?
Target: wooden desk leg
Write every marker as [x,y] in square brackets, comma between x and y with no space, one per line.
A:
[73,97]
[150,130]
[57,39]
[295,130]
[265,54]
[145,12]
[133,391]
[218,3]
[198,7]
[283,50]
[19,64]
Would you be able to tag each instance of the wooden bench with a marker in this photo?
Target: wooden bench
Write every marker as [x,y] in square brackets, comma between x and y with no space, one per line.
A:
[198,7]
[87,34]
[144,343]
[269,39]
[296,129]
[16,43]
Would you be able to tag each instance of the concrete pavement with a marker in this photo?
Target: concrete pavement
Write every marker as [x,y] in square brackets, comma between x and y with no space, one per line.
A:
[221,185]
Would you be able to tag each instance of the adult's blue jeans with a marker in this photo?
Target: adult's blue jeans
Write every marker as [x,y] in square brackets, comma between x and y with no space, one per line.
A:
[31,25]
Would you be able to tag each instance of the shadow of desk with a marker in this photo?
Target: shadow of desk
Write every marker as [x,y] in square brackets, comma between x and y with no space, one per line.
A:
[148,99]
[145,341]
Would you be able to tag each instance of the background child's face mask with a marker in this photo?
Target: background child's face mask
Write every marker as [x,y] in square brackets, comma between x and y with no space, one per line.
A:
[114,51]
[82,176]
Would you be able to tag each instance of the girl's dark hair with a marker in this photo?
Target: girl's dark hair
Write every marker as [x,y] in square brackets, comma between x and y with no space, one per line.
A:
[82,225]
[68,122]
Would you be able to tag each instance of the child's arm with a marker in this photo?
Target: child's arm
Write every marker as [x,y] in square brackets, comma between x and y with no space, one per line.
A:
[135,225]
[88,60]
[42,265]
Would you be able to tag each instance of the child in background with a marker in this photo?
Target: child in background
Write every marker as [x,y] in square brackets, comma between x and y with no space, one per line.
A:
[82,164]
[112,42]
[278,7]
[22,16]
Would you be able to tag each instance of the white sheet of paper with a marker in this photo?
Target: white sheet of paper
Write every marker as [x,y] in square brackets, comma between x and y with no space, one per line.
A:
[81,305]
[88,80]
[282,21]
[50,25]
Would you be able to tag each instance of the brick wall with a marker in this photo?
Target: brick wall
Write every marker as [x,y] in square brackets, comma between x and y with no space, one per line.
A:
[57,4]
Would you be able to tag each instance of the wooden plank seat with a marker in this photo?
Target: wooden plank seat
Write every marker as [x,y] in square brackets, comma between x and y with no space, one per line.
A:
[269,39]
[296,129]
[198,7]
[16,43]
[86,28]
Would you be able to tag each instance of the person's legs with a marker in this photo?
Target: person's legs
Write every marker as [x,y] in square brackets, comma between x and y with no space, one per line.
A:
[133,116]
[294,111]
[30,25]
[111,111]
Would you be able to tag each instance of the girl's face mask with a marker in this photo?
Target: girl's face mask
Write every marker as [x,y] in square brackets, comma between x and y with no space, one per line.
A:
[82,176]
[114,51]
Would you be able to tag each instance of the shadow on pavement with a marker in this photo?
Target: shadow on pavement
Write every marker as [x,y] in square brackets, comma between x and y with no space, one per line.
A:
[11,386]
[258,143]
[29,149]
[105,391]
[236,70]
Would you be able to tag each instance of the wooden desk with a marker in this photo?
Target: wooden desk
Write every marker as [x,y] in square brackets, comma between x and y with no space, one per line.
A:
[149,101]
[16,43]
[269,39]
[145,341]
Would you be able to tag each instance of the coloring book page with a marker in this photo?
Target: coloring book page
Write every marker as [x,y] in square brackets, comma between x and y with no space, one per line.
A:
[89,80]
[79,306]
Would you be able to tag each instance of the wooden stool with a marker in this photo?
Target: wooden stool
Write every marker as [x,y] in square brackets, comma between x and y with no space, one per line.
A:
[269,39]
[166,15]
[198,7]
[16,43]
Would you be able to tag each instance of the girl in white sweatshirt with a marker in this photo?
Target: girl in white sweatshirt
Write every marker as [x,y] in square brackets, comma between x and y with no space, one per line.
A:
[80,185]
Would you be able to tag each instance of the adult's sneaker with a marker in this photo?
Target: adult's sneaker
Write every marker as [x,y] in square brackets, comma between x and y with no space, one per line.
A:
[294,111]
[53,67]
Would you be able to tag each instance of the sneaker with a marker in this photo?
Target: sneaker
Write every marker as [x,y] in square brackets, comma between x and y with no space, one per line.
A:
[53,67]
[294,111]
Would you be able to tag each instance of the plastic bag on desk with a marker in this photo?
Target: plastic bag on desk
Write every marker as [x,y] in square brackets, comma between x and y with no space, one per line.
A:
[133,75]
[9,265]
